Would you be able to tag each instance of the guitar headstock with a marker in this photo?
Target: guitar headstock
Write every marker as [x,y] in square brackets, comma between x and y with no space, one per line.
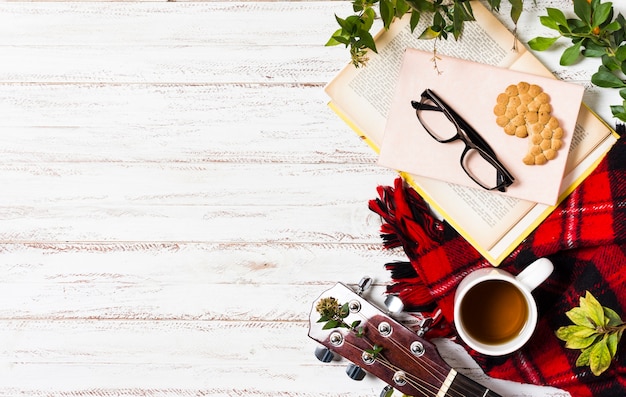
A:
[363,334]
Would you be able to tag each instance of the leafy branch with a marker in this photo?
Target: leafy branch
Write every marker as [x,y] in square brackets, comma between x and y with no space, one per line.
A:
[597,331]
[596,33]
[448,17]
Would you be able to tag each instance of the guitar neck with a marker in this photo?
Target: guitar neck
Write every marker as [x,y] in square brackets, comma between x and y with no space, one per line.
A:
[459,384]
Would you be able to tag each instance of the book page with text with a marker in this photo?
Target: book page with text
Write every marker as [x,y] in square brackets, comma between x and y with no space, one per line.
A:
[364,94]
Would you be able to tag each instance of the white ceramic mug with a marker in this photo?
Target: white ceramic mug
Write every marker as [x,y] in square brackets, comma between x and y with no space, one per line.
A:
[494,311]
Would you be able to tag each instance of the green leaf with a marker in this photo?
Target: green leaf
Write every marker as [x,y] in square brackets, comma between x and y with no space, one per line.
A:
[619,34]
[612,341]
[542,43]
[599,357]
[601,13]
[375,350]
[611,63]
[468,12]
[593,308]
[579,317]
[345,310]
[620,116]
[402,7]
[494,4]
[581,343]
[387,12]
[619,112]
[415,18]
[516,10]
[593,50]
[604,78]
[439,22]
[583,359]
[583,10]
[620,53]
[577,336]
[557,16]
[367,41]
[613,27]
[331,324]
[367,19]
[571,54]
[346,24]
[457,20]
[548,22]
[573,333]
[613,318]
[323,318]
[339,37]
[429,33]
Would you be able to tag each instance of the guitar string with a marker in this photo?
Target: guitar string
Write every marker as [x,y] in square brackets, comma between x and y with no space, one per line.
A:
[433,368]
[476,389]
[423,387]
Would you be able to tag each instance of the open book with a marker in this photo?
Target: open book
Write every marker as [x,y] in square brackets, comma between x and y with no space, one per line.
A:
[494,224]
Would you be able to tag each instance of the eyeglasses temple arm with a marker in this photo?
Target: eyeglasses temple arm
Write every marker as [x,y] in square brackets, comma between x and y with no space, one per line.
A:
[424,106]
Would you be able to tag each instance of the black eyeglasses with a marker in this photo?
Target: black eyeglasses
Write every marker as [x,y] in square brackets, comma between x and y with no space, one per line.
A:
[478,159]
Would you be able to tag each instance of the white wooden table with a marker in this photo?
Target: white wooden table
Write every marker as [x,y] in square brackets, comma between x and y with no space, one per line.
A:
[176,193]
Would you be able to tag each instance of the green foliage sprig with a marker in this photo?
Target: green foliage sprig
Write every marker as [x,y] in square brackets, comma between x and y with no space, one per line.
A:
[333,314]
[448,17]
[596,33]
[597,331]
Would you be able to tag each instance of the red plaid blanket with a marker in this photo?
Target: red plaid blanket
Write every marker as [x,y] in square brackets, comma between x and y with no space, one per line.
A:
[585,237]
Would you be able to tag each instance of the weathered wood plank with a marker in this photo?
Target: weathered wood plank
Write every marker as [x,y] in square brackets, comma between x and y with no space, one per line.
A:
[171,122]
[134,263]
[174,63]
[212,184]
[261,224]
[235,24]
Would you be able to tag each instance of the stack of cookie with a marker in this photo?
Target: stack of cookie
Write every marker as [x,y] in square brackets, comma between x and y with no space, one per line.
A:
[524,110]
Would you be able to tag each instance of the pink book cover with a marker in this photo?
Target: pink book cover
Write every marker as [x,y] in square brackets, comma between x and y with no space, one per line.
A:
[474,90]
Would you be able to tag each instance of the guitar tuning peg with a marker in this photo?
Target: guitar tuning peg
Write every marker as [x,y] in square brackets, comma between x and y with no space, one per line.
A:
[387,391]
[324,354]
[355,372]
[364,284]
[394,304]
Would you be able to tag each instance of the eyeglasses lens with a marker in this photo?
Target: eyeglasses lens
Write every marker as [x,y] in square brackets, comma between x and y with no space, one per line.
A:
[435,122]
[479,169]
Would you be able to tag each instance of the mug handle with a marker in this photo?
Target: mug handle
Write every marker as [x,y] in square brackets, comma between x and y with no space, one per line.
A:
[535,273]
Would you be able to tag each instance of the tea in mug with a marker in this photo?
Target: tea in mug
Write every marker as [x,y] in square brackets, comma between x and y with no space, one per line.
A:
[494,312]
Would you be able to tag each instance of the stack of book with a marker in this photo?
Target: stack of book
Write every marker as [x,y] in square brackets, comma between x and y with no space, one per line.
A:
[495,223]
